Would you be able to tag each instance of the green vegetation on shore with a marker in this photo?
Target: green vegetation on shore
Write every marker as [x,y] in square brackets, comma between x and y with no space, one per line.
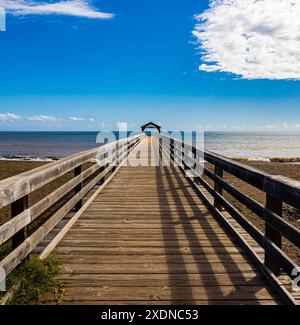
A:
[38,282]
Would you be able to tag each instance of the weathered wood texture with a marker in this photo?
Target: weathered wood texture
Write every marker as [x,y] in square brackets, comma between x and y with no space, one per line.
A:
[22,215]
[275,262]
[16,187]
[148,238]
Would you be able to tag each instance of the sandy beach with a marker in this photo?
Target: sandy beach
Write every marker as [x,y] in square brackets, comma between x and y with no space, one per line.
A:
[10,168]
[290,214]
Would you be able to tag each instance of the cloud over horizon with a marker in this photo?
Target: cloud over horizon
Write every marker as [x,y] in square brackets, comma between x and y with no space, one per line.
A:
[42,118]
[9,117]
[251,39]
[79,8]
[46,122]
[76,118]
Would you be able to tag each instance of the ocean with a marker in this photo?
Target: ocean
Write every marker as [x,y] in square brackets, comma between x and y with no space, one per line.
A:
[254,145]
[245,145]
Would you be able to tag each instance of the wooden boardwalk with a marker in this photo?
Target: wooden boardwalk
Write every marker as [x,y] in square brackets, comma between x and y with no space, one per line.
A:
[147,238]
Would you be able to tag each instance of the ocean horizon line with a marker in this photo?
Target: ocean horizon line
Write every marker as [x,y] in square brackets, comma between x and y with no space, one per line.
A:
[135,130]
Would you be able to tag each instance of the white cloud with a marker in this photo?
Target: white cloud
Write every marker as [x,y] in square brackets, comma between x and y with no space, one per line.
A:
[9,117]
[80,8]
[42,118]
[254,39]
[91,119]
[271,126]
[75,118]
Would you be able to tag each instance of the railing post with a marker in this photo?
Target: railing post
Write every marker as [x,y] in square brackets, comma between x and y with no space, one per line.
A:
[194,144]
[116,156]
[275,205]
[128,147]
[102,180]
[160,151]
[172,150]
[194,155]
[217,187]
[182,152]
[78,188]
[16,208]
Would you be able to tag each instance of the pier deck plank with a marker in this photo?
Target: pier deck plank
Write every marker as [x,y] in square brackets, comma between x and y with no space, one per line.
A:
[147,238]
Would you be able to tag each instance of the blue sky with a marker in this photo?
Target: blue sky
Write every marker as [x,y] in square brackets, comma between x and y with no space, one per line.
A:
[66,72]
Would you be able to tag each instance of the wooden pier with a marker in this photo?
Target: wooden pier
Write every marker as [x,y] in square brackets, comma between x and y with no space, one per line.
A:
[146,231]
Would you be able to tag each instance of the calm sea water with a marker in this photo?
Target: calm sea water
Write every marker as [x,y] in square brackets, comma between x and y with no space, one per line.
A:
[257,145]
[44,145]
[254,144]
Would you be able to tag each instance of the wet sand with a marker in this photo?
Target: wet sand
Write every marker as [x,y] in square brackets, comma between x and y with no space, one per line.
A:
[10,168]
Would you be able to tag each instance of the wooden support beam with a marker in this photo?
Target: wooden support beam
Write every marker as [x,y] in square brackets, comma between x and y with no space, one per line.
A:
[10,228]
[194,154]
[78,188]
[18,207]
[194,144]
[172,150]
[217,187]
[160,151]
[275,206]
[183,153]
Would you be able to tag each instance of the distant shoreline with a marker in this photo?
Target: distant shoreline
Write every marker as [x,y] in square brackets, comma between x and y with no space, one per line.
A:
[271,159]
[18,158]
[28,159]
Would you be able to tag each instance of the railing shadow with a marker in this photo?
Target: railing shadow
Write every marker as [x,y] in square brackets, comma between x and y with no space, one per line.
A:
[187,210]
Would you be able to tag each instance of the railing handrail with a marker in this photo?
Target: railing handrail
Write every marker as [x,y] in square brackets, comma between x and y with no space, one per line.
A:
[23,215]
[15,187]
[277,189]
[278,186]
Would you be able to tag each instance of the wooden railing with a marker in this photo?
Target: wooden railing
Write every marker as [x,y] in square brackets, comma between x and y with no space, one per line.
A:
[15,190]
[277,189]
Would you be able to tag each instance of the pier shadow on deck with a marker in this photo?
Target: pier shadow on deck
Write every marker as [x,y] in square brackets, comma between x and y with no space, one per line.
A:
[213,281]
[148,239]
